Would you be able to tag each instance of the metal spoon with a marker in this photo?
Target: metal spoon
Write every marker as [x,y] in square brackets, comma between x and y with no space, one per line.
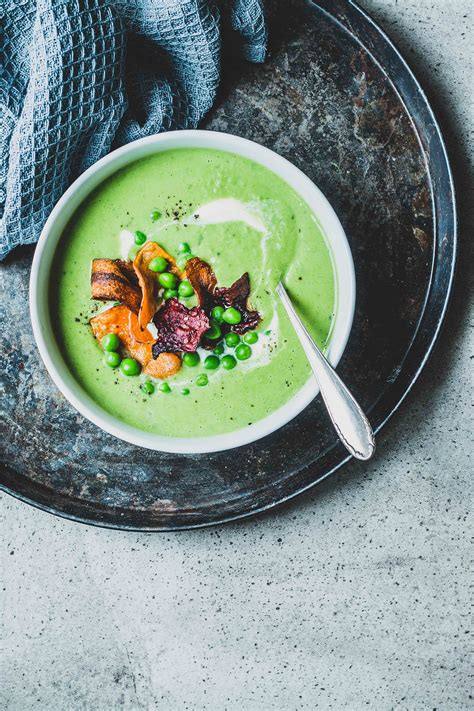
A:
[351,424]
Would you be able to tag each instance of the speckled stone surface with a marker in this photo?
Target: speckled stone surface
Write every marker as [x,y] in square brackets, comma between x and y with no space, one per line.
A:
[354,596]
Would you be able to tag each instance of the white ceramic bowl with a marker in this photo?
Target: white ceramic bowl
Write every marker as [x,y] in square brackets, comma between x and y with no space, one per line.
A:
[72,198]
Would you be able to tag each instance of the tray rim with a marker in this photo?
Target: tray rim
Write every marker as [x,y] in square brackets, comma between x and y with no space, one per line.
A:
[398,399]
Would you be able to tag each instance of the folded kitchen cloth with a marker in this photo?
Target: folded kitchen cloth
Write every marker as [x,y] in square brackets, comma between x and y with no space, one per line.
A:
[80,77]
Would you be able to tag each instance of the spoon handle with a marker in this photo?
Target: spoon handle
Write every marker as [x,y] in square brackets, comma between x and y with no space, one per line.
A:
[351,424]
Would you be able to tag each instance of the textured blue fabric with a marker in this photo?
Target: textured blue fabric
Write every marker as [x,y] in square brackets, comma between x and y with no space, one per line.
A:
[79,77]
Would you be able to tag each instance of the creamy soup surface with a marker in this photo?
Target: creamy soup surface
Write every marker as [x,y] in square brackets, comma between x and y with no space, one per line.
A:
[239,217]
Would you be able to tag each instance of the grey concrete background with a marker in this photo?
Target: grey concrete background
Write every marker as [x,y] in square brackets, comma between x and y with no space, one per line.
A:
[354,596]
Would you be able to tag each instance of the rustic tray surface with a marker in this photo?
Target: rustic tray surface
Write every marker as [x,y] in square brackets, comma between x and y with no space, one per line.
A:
[337,99]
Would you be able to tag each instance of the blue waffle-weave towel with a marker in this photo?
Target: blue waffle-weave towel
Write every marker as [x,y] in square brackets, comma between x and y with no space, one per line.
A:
[79,77]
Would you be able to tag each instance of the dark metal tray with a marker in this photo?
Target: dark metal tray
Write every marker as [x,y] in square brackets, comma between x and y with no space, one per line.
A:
[337,99]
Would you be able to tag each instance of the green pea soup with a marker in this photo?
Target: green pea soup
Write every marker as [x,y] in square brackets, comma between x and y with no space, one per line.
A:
[238,216]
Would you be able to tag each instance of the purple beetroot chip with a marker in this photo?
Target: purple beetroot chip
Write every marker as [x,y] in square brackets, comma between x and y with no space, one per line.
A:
[179,329]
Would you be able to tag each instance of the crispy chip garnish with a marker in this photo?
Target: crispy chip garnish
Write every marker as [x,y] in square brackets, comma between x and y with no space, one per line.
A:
[237,295]
[136,332]
[117,320]
[148,281]
[203,280]
[115,280]
[166,365]
[179,328]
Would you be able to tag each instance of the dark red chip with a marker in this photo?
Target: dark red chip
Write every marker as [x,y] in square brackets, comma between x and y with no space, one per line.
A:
[237,296]
[179,328]
[204,282]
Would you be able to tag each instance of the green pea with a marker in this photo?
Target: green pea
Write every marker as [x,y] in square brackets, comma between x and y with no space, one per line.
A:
[130,366]
[164,388]
[185,289]
[170,294]
[182,261]
[191,359]
[184,247]
[243,351]
[148,387]
[185,391]
[140,237]
[219,350]
[168,280]
[155,215]
[217,313]
[232,339]
[251,337]
[211,362]
[112,359]
[228,362]
[202,380]
[158,264]
[232,316]
[214,332]
[110,342]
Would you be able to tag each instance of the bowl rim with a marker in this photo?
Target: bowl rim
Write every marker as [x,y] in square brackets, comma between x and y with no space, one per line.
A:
[50,353]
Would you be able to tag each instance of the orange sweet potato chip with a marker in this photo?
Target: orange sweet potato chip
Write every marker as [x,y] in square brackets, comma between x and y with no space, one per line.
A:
[136,332]
[115,280]
[117,320]
[203,280]
[166,365]
[148,282]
